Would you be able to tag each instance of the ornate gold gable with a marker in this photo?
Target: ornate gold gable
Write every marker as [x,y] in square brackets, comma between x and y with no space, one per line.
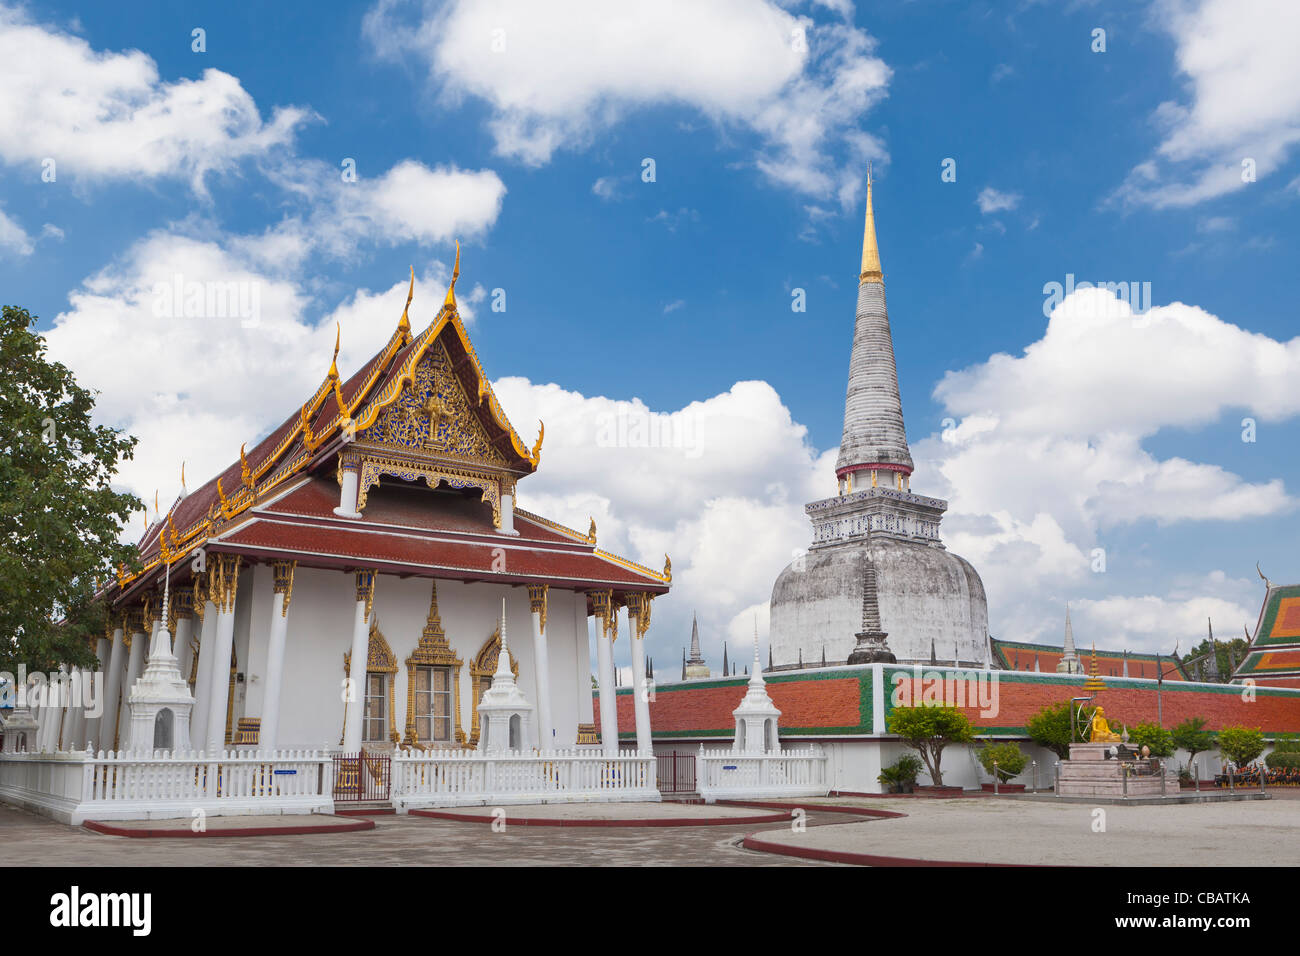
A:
[431,432]
[379,660]
[432,651]
[481,669]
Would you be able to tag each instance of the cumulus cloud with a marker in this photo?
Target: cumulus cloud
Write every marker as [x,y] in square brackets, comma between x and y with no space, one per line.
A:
[14,237]
[102,115]
[1044,456]
[1242,77]
[555,75]
[195,347]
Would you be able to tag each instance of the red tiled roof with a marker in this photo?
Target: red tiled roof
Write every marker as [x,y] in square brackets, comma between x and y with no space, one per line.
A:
[423,533]
[1015,655]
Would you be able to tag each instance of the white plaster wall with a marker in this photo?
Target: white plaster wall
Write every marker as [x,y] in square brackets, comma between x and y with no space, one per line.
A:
[319,633]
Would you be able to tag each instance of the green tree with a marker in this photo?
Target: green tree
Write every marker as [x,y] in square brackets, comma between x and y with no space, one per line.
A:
[928,730]
[1008,756]
[1050,728]
[1192,736]
[1160,741]
[1241,745]
[1226,652]
[60,518]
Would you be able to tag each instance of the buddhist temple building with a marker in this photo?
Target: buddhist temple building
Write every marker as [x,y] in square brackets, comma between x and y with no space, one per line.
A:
[876,534]
[341,583]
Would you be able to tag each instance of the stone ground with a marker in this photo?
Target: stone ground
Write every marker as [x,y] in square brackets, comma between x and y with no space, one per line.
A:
[1243,833]
[30,840]
[1255,833]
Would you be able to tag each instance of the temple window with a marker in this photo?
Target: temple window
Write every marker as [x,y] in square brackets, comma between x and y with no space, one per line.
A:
[433,704]
[375,721]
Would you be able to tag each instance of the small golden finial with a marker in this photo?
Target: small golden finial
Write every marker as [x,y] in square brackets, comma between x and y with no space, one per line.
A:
[668,569]
[245,472]
[870,251]
[184,490]
[591,532]
[450,301]
[536,455]
[334,362]
[157,512]
[404,326]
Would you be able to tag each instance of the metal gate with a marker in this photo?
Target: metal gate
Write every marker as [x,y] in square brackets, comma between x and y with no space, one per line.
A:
[675,772]
[362,777]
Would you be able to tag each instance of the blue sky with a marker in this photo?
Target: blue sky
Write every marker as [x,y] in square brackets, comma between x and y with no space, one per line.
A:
[633,297]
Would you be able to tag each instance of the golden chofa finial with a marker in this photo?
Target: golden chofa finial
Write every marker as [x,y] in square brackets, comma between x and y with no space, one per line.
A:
[184,491]
[245,472]
[157,512]
[450,301]
[536,455]
[591,532]
[404,326]
[870,251]
[334,362]
[668,570]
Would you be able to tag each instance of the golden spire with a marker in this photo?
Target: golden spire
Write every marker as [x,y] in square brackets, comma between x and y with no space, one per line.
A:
[334,362]
[450,301]
[404,326]
[870,251]
[184,490]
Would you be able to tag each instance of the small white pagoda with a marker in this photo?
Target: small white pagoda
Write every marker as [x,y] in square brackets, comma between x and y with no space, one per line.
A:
[756,717]
[161,701]
[505,716]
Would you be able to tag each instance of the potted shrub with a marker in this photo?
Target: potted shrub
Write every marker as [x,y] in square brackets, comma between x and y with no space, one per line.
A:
[1003,760]
[900,776]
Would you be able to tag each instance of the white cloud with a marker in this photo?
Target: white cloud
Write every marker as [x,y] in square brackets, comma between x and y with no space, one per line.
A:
[992,200]
[555,75]
[109,115]
[14,237]
[1243,100]
[1151,623]
[1046,460]
[193,382]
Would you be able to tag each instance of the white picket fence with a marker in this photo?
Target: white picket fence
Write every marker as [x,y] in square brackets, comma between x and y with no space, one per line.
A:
[728,775]
[74,786]
[457,778]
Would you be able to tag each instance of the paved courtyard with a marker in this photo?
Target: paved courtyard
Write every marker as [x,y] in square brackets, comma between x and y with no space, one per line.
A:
[1243,833]
[1253,833]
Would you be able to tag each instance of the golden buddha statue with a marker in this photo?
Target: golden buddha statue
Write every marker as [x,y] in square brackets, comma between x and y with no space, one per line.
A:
[1101,732]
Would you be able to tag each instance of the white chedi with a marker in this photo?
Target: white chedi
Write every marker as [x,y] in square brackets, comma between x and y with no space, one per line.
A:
[757,718]
[505,716]
[161,701]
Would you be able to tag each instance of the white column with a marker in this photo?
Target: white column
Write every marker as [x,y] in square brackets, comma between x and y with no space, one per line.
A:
[74,723]
[537,595]
[638,620]
[134,668]
[507,515]
[607,616]
[348,484]
[203,675]
[107,728]
[282,592]
[223,639]
[354,702]
[103,651]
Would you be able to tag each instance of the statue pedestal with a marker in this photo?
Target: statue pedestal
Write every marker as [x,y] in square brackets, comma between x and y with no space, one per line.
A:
[1091,773]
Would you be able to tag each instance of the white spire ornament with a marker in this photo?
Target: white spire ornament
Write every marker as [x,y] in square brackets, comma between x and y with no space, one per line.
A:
[505,716]
[756,717]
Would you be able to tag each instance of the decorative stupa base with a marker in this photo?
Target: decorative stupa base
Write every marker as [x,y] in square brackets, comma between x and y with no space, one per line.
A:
[587,735]
[871,649]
